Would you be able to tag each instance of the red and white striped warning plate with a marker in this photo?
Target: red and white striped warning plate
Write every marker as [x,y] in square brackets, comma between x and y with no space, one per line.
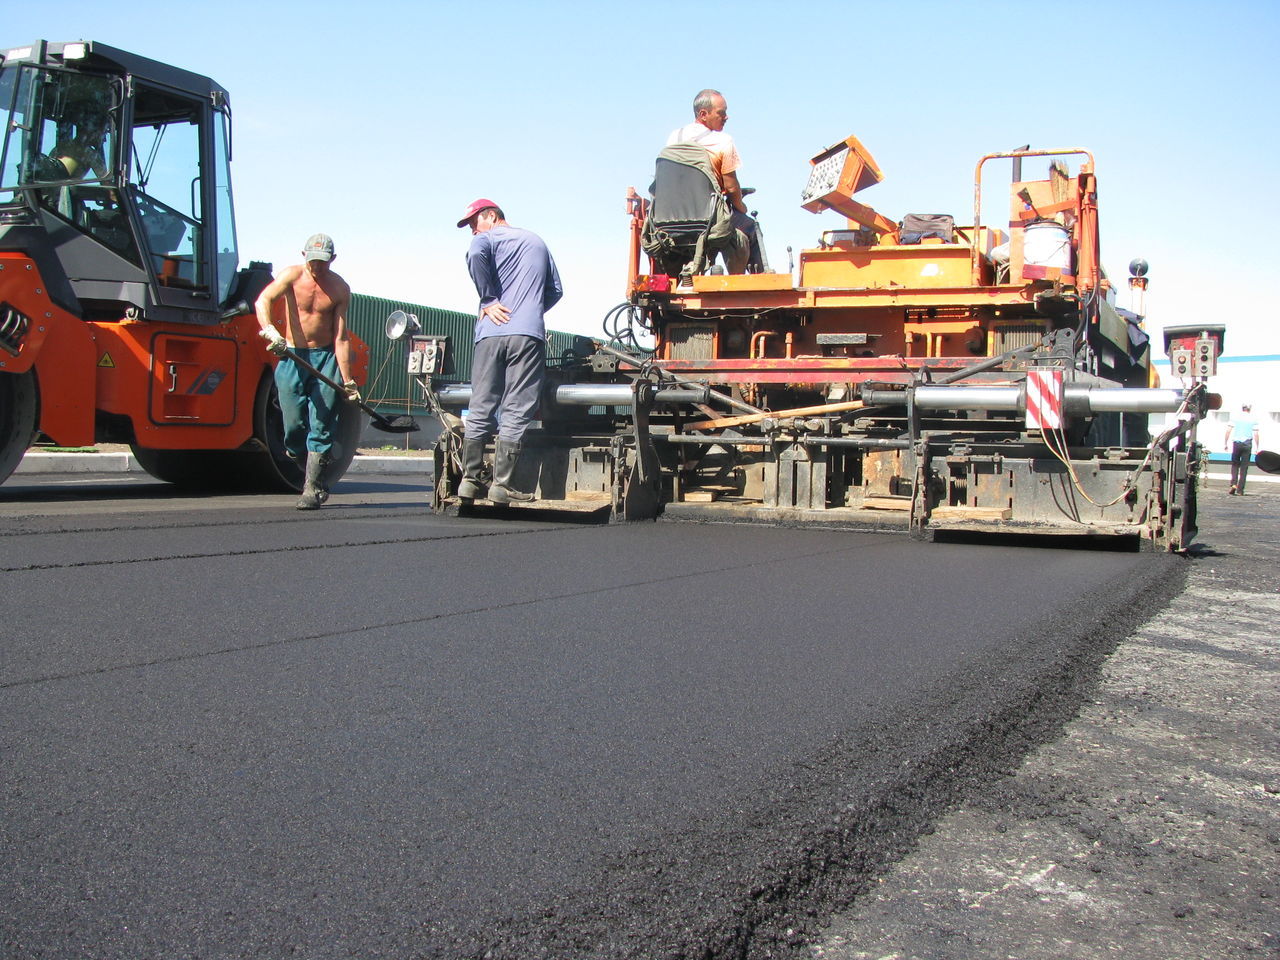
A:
[1044,399]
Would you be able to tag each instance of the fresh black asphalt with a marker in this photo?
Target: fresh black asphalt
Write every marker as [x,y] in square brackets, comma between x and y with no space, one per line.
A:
[240,731]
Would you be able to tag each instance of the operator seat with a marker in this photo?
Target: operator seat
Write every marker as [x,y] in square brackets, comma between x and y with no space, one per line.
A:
[689,219]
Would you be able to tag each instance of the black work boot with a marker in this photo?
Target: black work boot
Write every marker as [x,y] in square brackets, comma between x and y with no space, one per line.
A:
[314,490]
[473,486]
[506,455]
[322,479]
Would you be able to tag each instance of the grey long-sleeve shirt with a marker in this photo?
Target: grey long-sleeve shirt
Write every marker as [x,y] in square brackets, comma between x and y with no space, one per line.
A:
[513,266]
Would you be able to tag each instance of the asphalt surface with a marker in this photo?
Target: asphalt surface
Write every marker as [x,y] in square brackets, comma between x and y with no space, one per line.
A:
[1150,828]
[232,729]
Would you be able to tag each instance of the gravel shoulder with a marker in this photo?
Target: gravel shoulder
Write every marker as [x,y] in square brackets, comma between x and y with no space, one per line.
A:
[1150,829]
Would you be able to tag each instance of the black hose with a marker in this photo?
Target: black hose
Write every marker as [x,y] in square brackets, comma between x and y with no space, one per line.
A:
[620,325]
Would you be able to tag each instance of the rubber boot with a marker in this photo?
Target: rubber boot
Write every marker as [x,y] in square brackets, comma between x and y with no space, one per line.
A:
[506,455]
[322,481]
[314,492]
[473,486]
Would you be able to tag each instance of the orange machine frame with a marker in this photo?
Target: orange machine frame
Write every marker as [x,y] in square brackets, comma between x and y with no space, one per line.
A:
[949,291]
[183,386]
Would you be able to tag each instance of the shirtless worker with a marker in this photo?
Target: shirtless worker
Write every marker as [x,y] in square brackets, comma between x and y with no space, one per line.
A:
[315,313]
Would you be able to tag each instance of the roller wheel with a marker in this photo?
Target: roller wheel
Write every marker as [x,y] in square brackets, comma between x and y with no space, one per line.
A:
[266,468]
[19,409]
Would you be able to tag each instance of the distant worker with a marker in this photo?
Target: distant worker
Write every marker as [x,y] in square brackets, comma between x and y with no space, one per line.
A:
[315,317]
[710,114]
[1242,437]
[517,282]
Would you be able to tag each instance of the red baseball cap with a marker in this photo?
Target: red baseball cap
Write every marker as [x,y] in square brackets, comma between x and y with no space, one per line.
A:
[476,207]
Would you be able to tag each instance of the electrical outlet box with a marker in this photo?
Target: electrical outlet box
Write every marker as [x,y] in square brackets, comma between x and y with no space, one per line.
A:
[1182,362]
[1205,360]
[426,356]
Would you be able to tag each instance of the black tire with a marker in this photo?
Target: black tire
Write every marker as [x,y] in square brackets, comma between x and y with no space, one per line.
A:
[19,414]
[265,469]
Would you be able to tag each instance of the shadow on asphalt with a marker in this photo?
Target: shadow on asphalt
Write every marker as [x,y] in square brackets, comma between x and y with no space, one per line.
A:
[1092,544]
[145,488]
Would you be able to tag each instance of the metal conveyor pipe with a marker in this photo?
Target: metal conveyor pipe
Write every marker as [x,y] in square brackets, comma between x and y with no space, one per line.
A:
[586,395]
[1076,399]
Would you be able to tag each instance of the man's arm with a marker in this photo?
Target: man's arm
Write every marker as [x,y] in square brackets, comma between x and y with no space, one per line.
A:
[278,287]
[733,190]
[342,341]
[552,291]
[485,276]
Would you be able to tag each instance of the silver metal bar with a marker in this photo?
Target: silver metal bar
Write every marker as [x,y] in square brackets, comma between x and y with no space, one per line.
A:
[1127,400]
[860,443]
[586,395]
[968,398]
[733,402]
[1076,400]
[453,394]
[620,395]
[691,438]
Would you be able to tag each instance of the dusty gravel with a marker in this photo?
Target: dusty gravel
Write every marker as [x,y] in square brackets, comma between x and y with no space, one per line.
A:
[1151,829]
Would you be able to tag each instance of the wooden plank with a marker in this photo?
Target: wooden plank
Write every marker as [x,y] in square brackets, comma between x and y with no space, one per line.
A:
[970,513]
[776,414]
[701,495]
[585,495]
[886,503]
[1047,210]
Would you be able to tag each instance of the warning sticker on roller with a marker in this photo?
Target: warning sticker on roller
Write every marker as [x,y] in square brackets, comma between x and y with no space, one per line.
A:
[1044,399]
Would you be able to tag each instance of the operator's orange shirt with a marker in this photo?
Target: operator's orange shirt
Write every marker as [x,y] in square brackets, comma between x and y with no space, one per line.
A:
[724,154]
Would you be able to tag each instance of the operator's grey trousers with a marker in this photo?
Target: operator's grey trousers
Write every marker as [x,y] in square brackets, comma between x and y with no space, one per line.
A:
[506,387]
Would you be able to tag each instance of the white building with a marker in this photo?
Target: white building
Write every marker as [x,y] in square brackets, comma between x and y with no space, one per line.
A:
[1254,380]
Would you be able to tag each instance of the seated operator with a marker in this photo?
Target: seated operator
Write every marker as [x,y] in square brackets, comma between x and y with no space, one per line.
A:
[77,154]
[707,130]
[81,153]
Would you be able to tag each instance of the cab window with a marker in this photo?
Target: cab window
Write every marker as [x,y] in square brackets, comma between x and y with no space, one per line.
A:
[165,180]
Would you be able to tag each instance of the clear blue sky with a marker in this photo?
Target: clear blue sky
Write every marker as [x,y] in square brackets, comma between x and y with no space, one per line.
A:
[379,121]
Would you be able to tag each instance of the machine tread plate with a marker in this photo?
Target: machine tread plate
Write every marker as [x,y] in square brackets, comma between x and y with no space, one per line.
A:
[728,511]
[976,523]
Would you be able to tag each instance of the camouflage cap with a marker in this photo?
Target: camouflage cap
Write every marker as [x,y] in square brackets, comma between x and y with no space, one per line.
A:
[319,246]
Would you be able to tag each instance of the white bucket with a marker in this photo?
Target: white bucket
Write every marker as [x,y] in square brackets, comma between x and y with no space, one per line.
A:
[1047,243]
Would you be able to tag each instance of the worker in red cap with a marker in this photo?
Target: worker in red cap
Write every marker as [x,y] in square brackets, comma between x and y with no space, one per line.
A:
[517,281]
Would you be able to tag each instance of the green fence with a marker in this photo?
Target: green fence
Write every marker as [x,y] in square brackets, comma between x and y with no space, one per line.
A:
[390,388]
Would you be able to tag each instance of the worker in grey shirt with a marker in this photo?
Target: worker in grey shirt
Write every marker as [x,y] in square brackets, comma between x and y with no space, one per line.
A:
[517,282]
